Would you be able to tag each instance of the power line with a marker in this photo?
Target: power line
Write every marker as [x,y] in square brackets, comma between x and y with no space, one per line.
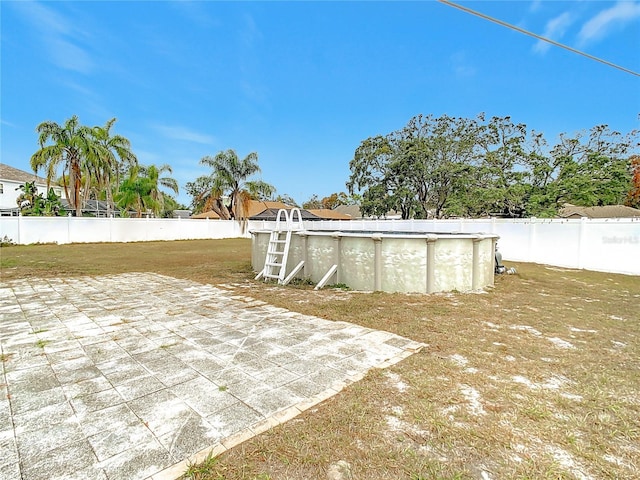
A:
[535,35]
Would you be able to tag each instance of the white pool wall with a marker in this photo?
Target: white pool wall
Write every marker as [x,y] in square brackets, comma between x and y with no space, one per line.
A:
[409,263]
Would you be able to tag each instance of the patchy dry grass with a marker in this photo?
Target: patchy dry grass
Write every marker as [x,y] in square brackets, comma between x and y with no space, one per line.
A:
[207,261]
[535,379]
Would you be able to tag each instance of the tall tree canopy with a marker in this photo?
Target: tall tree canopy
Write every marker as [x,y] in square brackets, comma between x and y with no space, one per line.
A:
[473,167]
[586,169]
[112,155]
[91,159]
[228,189]
[330,202]
[140,190]
[71,146]
[633,196]
[416,170]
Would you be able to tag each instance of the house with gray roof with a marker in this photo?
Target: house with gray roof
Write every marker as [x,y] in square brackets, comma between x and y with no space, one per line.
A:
[10,181]
[605,211]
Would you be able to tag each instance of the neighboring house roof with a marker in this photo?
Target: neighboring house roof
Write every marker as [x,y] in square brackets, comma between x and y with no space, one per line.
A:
[606,211]
[268,211]
[17,175]
[181,214]
[211,215]
[11,179]
[352,210]
[328,214]
[255,208]
[271,214]
[356,214]
[99,208]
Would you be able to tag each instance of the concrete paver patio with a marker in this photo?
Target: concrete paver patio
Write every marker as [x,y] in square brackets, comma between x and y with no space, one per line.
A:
[133,376]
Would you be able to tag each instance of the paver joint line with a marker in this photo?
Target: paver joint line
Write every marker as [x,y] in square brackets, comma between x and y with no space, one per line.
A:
[139,375]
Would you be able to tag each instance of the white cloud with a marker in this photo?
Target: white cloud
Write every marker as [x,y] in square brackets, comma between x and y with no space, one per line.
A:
[177,132]
[195,12]
[69,56]
[554,30]
[250,33]
[81,89]
[59,36]
[44,17]
[146,157]
[535,6]
[92,100]
[600,25]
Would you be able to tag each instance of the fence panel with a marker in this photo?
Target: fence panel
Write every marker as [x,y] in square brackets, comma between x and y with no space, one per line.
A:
[42,230]
[514,241]
[62,230]
[124,230]
[611,245]
[554,243]
[10,229]
[88,230]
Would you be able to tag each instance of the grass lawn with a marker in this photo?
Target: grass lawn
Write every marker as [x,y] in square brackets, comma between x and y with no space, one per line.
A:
[538,378]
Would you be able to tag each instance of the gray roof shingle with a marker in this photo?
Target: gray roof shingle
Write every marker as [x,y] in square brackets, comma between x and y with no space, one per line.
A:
[606,211]
[13,174]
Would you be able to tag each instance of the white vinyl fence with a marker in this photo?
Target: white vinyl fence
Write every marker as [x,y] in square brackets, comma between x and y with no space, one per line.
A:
[28,230]
[605,245]
[608,245]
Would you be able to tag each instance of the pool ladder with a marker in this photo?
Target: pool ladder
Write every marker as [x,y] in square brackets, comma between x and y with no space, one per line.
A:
[275,264]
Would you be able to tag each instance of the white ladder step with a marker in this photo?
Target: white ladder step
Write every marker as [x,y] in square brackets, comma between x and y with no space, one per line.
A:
[275,264]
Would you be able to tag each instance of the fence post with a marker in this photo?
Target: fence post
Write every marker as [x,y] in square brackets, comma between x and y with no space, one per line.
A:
[532,240]
[19,227]
[581,242]
[431,258]
[69,228]
[377,263]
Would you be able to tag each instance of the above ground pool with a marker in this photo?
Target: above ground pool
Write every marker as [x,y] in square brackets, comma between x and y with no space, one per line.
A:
[388,261]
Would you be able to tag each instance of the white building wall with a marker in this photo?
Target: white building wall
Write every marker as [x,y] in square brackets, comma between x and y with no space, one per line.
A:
[10,192]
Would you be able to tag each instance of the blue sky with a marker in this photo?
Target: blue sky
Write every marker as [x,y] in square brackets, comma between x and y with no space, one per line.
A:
[303,83]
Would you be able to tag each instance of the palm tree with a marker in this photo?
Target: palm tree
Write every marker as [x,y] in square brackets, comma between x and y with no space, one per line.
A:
[141,189]
[156,181]
[112,152]
[229,179]
[71,146]
[131,192]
